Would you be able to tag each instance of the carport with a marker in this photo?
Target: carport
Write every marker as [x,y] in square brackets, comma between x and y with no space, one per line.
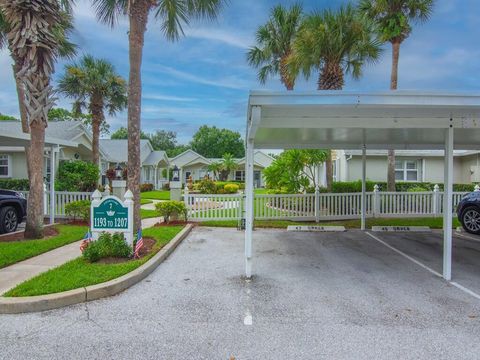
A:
[350,120]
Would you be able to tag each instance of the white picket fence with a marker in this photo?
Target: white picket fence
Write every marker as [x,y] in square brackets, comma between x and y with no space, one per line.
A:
[62,198]
[319,206]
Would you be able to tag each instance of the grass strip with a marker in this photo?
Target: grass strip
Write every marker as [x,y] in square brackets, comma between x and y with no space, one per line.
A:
[79,273]
[15,251]
[156,195]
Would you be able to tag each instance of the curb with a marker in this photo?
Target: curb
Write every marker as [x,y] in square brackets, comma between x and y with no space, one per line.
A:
[16,305]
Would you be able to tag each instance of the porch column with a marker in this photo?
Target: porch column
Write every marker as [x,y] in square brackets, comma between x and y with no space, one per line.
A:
[364,187]
[249,208]
[155,176]
[448,204]
[52,184]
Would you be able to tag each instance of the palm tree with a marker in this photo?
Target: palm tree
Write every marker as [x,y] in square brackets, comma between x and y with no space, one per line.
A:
[30,35]
[173,15]
[393,20]
[215,167]
[275,40]
[334,43]
[94,85]
[227,165]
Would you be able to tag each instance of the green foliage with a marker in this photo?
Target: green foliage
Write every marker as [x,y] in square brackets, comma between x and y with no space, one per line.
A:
[163,140]
[77,175]
[106,246]
[146,187]
[15,184]
[171,210]
[177,150]
[207,186]
[60,114]
[4,117]
[213,142]
[227,165]
[231,188]
[356,186]
[294,170]
[78,209]
[122,134]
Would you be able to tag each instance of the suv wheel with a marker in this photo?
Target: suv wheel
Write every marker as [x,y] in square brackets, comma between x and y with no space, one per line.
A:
[471,220]
[8,219]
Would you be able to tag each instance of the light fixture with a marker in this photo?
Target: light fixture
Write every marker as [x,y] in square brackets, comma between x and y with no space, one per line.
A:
[175,173]
[118,172]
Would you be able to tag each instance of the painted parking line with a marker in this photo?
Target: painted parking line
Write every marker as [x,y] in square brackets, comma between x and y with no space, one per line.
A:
[436,273]
[469,237]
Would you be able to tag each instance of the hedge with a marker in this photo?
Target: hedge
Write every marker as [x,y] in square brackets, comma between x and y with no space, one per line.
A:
[15,184]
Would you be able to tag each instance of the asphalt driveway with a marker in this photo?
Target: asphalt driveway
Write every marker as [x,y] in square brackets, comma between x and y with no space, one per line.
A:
[328,295]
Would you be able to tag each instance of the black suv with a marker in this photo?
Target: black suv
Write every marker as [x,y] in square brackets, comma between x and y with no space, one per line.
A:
[468,212]
[13,208]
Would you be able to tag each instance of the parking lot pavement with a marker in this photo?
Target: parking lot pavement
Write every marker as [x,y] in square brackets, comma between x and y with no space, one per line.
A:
[428,249]
[314,295]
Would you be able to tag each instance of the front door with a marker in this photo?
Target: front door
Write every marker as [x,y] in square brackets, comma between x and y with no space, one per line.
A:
[257,179]
[187,175]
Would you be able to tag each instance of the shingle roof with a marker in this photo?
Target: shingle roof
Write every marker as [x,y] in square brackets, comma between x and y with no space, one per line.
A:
[155,157]
[117,150]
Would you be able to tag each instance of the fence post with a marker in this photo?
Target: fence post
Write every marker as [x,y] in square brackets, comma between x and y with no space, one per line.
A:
[186,200]
[436,200]
[107,190]
[317,204]
[477,188]
[376,201]
[45,199]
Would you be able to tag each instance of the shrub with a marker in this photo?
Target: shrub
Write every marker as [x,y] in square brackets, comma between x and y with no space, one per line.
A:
[166,186]
[231,188]
[15,184]
[171,209]
[417,189]
[78,209]
[207,186]
[107,245]
[146,187]
[77,175]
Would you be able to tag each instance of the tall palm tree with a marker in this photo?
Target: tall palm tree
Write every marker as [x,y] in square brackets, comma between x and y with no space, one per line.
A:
[275,40]
[334,43]
[394,20]
[173,15]
[94,85]
[30,35]
[227,165]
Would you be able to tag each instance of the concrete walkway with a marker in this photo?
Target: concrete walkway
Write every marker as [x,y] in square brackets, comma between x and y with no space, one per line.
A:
[15,274]
[151,206]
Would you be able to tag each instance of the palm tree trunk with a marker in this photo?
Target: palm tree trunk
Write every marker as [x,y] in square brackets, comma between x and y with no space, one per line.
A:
[34,224]
[138,17]
[285,76]
[393,86]
[96,108]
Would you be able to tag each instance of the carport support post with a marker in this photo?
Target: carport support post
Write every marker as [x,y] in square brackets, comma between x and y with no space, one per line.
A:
[52,184]
[448,204]
[248,208]
[364,187]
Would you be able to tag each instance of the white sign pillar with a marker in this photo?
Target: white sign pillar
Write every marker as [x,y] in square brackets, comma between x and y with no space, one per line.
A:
[448,204]
[96,200]
[364,187]
[129,204]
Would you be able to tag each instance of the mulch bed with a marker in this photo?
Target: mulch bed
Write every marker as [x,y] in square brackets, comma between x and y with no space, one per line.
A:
[49,231]
[173,223]
[146,249]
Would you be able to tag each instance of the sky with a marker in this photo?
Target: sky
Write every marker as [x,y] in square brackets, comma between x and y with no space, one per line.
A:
[204,78]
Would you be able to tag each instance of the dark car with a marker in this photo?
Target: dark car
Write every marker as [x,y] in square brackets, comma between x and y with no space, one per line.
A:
[468,212]
[13,208]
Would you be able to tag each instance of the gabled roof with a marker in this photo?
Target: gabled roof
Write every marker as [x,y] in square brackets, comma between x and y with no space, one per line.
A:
[156,157]
[260,159]
[116,150]
[189,157]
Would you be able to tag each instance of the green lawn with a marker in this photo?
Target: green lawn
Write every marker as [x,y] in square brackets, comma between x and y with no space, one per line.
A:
[434,223]
[15,251]
[79,273]
[146,214]
[260,191]
[156,195]
[145,201]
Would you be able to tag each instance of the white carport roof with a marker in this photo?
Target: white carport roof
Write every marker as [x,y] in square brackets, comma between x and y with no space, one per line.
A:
[347,120]
[350,120]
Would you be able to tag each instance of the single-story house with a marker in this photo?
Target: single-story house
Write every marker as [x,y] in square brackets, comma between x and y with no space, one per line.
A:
[195,165]
[155,163]
[410,165]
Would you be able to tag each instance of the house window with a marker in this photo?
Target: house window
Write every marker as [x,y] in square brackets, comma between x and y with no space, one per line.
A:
[4,166]
[240,175]
[406,170]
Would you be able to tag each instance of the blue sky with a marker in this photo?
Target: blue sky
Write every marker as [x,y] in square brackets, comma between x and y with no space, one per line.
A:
[204,78]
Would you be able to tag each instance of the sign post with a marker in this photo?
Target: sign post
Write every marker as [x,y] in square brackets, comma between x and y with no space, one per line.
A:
[112,215]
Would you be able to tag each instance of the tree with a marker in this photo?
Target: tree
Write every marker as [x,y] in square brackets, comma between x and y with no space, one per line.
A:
[4,117]
[393,20]
[122,134]
[173,15]
[32,42]
[60,114]
[213,142]
[178,150]
[294,170]
[275,40]
[227,165]
[94,85]
[163,140]
[334,43]
[215,167]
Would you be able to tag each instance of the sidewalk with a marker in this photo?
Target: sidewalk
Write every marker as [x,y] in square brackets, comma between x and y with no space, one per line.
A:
[15,274]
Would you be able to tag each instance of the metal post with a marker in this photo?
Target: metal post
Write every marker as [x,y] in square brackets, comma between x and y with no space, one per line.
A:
[436,201]
[448,204]
[248,208]
[52,185]
[376,200]
[364,187]
[317,194]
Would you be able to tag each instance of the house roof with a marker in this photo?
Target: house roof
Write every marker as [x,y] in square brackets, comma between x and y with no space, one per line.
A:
[189,157]
[116,150]
[156,157]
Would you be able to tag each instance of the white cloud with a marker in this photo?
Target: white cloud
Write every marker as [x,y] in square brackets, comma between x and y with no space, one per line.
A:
[168,98]
[226,37]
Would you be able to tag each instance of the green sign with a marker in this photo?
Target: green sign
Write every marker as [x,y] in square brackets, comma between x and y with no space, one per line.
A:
[111,215]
